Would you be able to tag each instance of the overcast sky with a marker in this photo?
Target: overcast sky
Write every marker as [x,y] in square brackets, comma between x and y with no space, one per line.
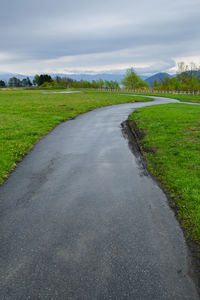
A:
[84,36]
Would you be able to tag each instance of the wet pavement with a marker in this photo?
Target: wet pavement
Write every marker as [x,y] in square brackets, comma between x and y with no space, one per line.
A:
[63,92]
[80,218]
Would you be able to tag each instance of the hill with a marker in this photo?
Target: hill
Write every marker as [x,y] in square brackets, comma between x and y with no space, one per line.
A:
[159,77]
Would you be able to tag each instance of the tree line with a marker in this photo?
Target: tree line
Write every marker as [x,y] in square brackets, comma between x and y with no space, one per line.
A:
[186,79]
[131,80]
[15,82]
[46,81]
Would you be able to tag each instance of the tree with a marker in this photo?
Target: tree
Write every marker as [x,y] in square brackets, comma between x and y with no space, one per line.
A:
[111,84]
[100,83]
[133,81]
[94,84]
[186,79]
[36,79]
[26,82]
[14,82]
[40,79]
[58,79]
[2,84]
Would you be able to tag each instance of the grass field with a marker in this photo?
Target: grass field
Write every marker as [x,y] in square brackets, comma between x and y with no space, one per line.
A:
[170,139]
[26,116]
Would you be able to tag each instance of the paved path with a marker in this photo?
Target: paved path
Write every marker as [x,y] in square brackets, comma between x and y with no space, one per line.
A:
[81,219]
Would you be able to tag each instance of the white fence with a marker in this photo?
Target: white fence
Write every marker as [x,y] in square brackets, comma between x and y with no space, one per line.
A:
[150,91]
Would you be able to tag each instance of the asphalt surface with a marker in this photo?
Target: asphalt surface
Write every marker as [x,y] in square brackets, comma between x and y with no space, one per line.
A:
[63,92]
[80,218]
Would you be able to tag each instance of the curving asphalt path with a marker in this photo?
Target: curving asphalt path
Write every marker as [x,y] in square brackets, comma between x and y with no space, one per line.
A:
[81,219]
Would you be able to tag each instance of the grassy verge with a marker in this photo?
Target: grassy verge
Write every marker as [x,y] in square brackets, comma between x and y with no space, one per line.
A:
[27,115]
[170,141]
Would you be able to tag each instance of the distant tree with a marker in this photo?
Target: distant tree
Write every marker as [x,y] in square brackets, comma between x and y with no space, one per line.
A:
[186,79]
[57,84]
[94,84]
[35,80]
[29,83]
[14,82]
[47,85]
[2,84]
[155,84]
[167,84]
[68,81]
[133,81]
[183,73]
[85,84]
[58,79]
[40,79]
[26,82]
[188,76]
[115,84]
[100,83]
[111,84]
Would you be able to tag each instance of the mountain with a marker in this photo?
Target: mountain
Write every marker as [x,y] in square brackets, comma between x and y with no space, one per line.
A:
[159,77]
[7,76]
[194,72]
[144,77]
[89,77]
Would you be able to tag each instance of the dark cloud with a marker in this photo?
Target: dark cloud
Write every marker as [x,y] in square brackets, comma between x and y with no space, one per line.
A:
[62,35]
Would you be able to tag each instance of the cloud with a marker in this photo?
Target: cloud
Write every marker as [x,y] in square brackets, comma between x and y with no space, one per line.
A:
[63,36]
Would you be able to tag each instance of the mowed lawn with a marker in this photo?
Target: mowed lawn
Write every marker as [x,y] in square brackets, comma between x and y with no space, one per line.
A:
[170,139]
[27,115]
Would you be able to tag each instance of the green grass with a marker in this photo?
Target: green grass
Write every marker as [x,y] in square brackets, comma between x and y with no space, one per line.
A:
[27,115]
[170,139]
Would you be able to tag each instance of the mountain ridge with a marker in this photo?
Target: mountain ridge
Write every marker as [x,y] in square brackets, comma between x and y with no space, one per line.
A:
[158,76]
[89,77]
